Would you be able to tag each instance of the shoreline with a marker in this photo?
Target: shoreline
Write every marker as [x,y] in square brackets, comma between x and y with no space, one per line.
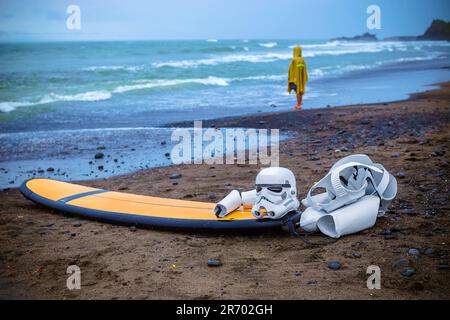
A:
[410,138]
[221,122]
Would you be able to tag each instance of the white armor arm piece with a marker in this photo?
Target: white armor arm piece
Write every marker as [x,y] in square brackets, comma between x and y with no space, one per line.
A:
[233,201]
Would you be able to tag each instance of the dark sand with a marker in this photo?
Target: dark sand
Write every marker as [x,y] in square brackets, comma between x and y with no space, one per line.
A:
[411,138]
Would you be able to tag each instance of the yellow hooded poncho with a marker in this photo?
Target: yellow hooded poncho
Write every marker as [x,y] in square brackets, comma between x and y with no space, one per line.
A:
[297,72]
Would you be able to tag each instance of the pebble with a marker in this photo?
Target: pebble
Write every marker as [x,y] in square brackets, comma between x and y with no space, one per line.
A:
[400,263]
[99,155]
[133,229]
[414,252]
[409,272]
[356,255]
[212,196]
[77,224]
[50,169]
[214,263]
[395,155]
[312,282]
[100,168]
[400,175]
[429,251]
[334,265]
[175,176]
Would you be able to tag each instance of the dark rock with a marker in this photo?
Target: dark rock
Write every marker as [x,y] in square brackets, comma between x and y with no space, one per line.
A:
[133,229]
[214,263]
[395,155]
[438,30]
[363,37]
[311,282]
[442,267]
[400,263]
[101,148]
[429,251]
[77,224]
[414,252]
[100,168]
[390,237]
[99,155]
[188,196]
[175,176]
[163,143]
[212,196]
[356,255]
[50,169]
[334,265]
[408,272]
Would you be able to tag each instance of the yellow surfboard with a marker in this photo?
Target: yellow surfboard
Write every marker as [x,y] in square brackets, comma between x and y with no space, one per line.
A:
[136,209]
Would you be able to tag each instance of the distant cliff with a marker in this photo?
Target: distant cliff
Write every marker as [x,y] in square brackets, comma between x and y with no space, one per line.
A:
[363,37]
[438,30]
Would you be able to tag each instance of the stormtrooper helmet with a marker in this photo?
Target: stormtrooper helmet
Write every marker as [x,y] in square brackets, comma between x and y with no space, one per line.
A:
[276,193]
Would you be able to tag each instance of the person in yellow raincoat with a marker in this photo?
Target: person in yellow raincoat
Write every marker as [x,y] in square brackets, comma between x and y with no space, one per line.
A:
[297,76]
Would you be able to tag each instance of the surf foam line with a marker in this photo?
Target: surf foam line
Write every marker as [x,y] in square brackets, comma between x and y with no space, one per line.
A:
[260,58]
[76,131]
[93,96]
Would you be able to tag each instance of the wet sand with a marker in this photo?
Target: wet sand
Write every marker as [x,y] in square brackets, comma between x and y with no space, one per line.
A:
[410,138]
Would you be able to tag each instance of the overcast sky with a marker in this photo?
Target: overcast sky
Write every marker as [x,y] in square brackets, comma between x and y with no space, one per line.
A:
[213,19]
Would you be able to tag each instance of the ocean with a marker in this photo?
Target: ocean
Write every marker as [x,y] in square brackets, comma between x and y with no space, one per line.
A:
[61,102]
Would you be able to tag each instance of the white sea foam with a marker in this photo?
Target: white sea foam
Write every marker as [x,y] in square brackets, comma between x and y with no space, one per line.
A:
[212,40]
[114,68]
[268,44]
[148,84]
[9,106]
[85,96]
[265,57]
[252,58]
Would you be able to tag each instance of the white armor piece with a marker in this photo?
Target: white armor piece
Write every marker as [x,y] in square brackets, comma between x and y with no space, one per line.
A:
[276,193]
[233,201]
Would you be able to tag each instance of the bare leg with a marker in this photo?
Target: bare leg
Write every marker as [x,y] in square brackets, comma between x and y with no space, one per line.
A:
[299,101]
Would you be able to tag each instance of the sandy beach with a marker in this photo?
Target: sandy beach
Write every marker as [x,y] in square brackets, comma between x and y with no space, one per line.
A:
[410,138]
